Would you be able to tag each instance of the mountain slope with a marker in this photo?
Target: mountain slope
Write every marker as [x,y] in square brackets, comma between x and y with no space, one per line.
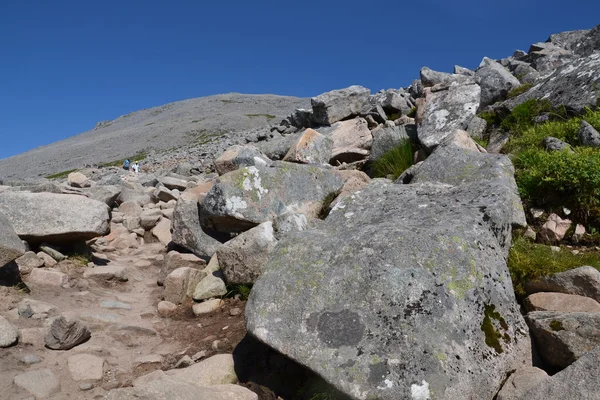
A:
[182,123]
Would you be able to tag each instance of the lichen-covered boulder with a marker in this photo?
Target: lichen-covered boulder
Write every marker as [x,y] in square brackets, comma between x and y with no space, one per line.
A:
[403,292]
[447,111]
[310,148]
[237,157]
[246,197]
[495,81]
[49,217]
[331,107]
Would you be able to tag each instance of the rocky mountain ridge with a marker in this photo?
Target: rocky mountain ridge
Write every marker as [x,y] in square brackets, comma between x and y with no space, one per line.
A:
[374,234]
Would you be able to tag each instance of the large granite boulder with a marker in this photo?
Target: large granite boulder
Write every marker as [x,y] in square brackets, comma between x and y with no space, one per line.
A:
[49,217]
[189,233]
[563,338]
[495,81]
[106,194]
[351,140]
[237,157]
[393,101]
[446,111]
[11,247]
[246,197]
[311,148]
[403,292]
[334,106]
[386,138]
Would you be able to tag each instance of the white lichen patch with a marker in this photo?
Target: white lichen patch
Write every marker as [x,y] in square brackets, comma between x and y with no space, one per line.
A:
[420,392]
[348,215]
[386,384]
[259,161]
[440,118]
[252,182]
[234,203]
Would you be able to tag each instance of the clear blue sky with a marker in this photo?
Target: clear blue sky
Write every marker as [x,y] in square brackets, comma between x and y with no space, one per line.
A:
[64,65]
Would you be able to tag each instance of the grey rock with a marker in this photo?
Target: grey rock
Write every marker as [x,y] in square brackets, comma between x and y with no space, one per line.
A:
[115,305]
[30,358]
[52,252]
[210,286]
[351,140]
[105,194]
[524,72]
[580,380]
[447,111]
[8,333]
[546,57]
[463,71]
[86,367]
[149,218]
[237,157]
[174,260]
[188,231]
[588,136]
[582,281]
[65,334]
[311,148]
[184,362]
[477,127]
[386,139]
[384,259]
[107,273]
[249,196]
[78,180]
[11,247]
[48,217]
[431,78]
[28,261]
[164,194]
[560,302]
[278,147]
[242,258]
[331,107]
[495,81]
[301,118]
[181,283]
[41,383]
[393,101]
[287,223]
[569,40]
[520,382]
[562,338]
[553,144]
[171,389]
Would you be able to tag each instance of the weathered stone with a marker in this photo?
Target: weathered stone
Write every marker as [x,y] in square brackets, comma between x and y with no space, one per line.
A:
[286,223]
[162,231]
[149,218]
[447,111]
[47,277]
[386,139]
[41,383]
[495,81]
[431,78]
[78,180]
[580,380]
[385,255]
[47,260]
[216,370]
[553,144]
[29,261]
[173,183]
[311,148]
[463,71]
[180,284]
[237,157]
[588,136]
[164,194]
[563,338]
[166,308]
[38,217]
[477,127]
[560,302]
[578,234]
[84,367]
[249,196]
[65,334]
[193,194]
[242,258]
[554,230]
[189,233]
[174,260]
[351,140]
[331,107]
[520,382]
[582,281]
[105,194]
[8,333]
[210,286]
[277,148]
[107,273]
[207,306]
[11,246]
[131,223]
[29,308]
[171,389]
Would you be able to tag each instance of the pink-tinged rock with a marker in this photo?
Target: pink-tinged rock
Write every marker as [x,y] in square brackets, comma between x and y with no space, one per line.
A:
[310,148]
[554,229]
[162,231]
[547,301]
[47,277]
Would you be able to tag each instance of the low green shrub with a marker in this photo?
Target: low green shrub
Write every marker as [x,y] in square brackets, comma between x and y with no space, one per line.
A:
[393,116]
[63,174]
[523,116]
[242,290]
[561,178]
[519,90]
[529,261]
[139,156]
[394,162]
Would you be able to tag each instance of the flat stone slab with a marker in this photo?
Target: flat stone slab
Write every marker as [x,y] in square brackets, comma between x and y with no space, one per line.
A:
[107,273]
[85,367]
[561,302]
[41,383]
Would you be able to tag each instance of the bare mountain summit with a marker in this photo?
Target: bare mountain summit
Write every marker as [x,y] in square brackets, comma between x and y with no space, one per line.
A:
[190,122]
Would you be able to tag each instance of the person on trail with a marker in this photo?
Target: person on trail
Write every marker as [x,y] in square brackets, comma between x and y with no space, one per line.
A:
[136,167]
[126,164]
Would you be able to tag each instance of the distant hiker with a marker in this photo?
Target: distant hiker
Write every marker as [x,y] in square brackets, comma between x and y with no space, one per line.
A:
[136,167]
[126,164]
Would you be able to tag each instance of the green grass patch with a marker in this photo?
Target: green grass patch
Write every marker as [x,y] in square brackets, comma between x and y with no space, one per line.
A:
[139,156]
[482,142]
[242,290]
[412,113]
[267,116]
[519,90]
[529,261]
[394,162]
[63,174]
[393,116]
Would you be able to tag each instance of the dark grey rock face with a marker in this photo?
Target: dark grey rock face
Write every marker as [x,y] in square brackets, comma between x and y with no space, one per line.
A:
[562,338]
[588,136]
[553,144]
[336,105]
[188,232]
[249,196]
[495,81]
[54,217]
[386,138]
[65,334]
[446,111]
[402,292]
[11,247]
